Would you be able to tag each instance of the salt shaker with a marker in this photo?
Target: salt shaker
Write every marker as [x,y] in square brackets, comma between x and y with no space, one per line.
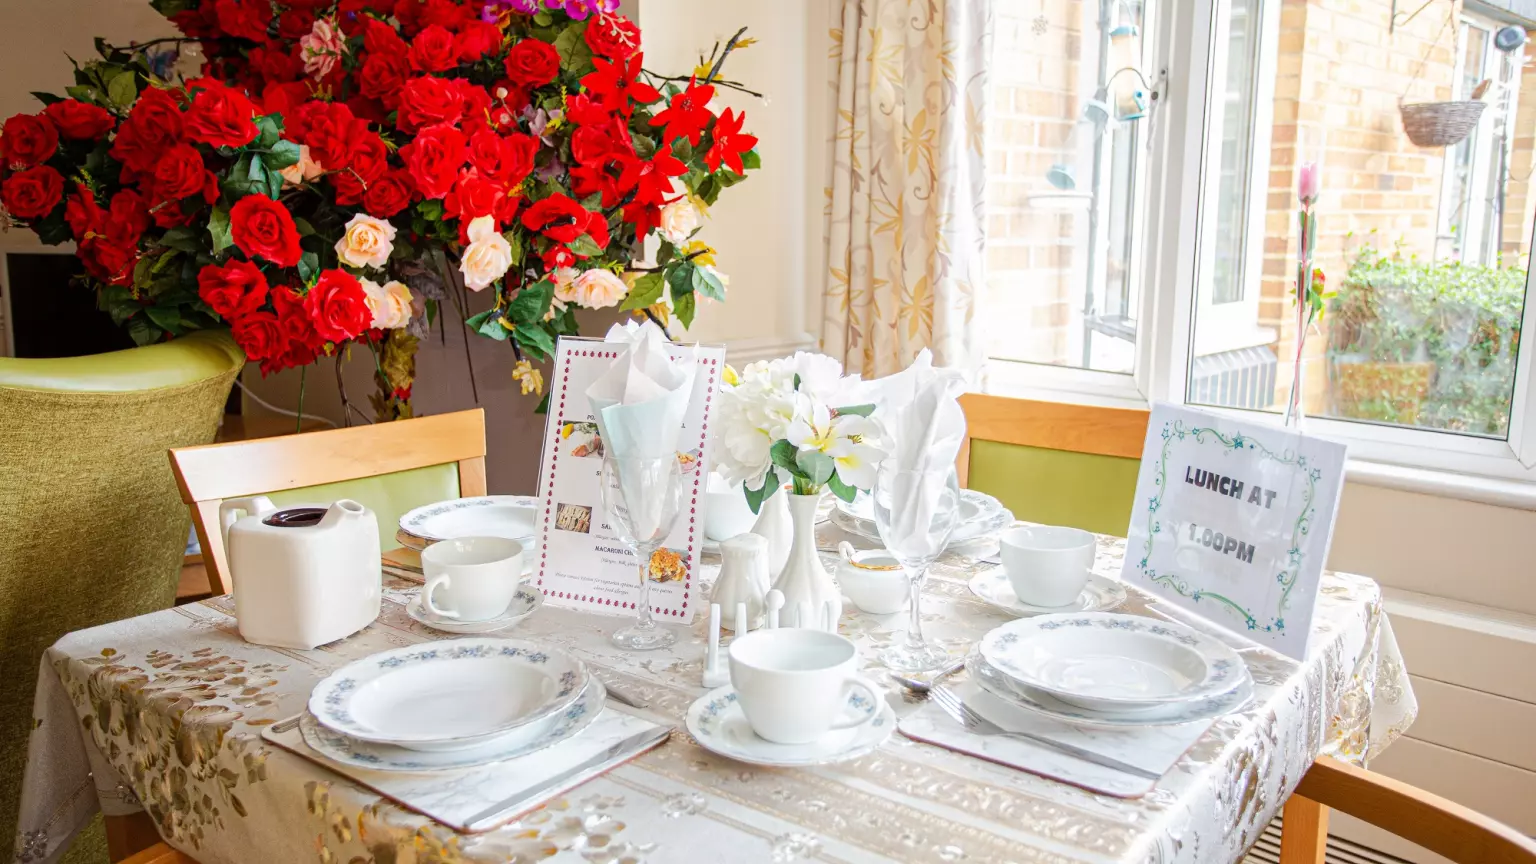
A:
[745,559]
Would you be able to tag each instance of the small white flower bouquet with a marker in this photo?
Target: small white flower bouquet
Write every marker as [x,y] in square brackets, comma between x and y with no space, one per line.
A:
[791,421]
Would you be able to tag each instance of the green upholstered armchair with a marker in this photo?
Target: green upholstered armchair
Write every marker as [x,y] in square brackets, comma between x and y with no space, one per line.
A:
[93,527]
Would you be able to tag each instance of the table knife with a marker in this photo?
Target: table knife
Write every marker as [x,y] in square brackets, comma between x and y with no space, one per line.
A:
[629,747]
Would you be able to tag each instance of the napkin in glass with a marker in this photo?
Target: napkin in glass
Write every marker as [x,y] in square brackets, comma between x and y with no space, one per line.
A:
[642,398]
[919,409]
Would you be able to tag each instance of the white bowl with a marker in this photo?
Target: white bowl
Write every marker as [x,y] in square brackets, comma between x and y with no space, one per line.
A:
[726,513]
[873,580]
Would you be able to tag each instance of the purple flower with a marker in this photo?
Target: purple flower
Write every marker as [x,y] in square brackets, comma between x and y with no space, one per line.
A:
[580,9]
[496,10]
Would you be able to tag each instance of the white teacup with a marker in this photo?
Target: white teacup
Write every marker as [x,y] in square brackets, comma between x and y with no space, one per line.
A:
[726,513]
[471,578]
[1047,565]
[793,683]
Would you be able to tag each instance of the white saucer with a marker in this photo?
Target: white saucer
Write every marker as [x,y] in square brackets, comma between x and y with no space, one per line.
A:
[514,517]
[384,757]
[718,724]
[527,601]
[1100,594]
[1007,689]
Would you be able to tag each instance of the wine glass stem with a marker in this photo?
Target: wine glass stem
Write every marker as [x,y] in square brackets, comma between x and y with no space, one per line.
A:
[644,622]
[915,627]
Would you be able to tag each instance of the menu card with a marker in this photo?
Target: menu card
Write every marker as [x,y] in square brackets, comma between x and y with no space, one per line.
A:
[581,562]
[1232,521]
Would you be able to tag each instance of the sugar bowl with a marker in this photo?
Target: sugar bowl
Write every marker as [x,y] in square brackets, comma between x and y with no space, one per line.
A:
[872,579]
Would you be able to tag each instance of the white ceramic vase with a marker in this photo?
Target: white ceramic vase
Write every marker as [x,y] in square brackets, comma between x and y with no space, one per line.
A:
[742,579]
[805,583]
[773,524]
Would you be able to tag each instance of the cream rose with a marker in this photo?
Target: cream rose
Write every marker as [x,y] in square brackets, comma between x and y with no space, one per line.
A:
[366,242]
[679,220]
[306,170]
[488,255]
[390,304]
[597,289]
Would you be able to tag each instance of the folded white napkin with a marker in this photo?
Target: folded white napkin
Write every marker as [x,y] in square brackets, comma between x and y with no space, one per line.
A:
[920,410]
[641,400]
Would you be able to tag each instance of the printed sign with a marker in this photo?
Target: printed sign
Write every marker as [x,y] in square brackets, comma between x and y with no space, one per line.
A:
[581,563]
[1232,520]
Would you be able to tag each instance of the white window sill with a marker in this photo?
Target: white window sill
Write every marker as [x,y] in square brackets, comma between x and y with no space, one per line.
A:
[1517,494]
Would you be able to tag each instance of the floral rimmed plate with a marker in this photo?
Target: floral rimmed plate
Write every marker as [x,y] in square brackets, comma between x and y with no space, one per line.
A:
[525,602]
[446,695]
[1108,662]
[1005,688]
[519,742]
[716,721]
[1100,594]
[514,517]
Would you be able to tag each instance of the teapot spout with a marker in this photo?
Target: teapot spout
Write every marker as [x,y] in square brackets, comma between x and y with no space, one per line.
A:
[342,509]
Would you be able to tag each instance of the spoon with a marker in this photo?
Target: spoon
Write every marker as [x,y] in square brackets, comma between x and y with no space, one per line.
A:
[922,687]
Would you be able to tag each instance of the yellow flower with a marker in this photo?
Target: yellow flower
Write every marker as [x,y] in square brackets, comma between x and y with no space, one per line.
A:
[730,376]
[531,379]
[705,256]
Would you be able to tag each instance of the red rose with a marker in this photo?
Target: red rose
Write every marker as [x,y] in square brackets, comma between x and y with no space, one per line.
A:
[557,217]
[428,101]
[433,50]
[447,13]
[127,218]
[533,63]
[293,317]
[382,76]
[247,19]
[337,306]
[388,195]
[476,40]
[179,173]
[83,214]
[235,290]
[613,36]
[33,193]
[284,98]
[591,144]
[473,196]
[263,228]
[107,261]
[477,105]
[152,127]
[295,24]
[380,38]
[28,140]
[220,116]
[557,256]
[506,160]
[434,159]
[583,110]
[369,162]
[259,335]
[200,23]
[80,120]
[332,133]
[275,62]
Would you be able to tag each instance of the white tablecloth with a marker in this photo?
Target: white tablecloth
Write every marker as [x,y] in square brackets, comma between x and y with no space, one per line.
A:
[166,710]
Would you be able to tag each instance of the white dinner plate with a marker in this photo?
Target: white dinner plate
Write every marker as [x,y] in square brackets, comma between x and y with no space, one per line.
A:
[1005,688]
[519,742]
[716,721]
[980,516]
[527,601]
[514,517]
[1100,594]
[451,694]
[1108,662]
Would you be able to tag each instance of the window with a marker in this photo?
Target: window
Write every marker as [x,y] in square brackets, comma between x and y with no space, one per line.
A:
[1152,256]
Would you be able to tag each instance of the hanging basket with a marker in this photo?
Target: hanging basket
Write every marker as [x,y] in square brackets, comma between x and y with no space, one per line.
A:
[1440,124]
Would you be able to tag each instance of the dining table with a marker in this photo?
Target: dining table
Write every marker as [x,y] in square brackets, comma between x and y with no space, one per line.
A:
[164,713]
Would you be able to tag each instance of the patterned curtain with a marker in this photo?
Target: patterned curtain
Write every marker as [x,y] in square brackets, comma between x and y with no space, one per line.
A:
[905,224]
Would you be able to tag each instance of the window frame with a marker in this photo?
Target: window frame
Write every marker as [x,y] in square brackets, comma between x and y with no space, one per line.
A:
[1171,238]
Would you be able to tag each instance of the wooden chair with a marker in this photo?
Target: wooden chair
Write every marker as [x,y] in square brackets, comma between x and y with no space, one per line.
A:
[159,854]
[390,467]
[1441,826]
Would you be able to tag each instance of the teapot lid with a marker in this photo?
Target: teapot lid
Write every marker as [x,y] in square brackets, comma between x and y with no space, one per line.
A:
[296,517]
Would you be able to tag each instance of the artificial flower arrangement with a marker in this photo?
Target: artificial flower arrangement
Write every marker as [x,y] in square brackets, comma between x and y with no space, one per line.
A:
[340,169]
[779,422]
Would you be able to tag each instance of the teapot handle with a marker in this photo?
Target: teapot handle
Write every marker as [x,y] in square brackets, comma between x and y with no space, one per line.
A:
[846,550]
[254,506]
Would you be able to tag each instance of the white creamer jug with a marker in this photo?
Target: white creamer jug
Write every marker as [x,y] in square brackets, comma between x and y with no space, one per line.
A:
[302,575]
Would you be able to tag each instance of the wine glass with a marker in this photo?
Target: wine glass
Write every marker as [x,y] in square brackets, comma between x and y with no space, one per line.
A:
[643,498]
[915,512]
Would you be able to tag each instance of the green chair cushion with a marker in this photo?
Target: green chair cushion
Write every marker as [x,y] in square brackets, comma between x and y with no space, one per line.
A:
[389,496]
[1057,487]
[195,357]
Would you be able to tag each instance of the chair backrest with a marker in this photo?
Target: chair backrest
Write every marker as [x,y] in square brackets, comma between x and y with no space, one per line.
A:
[1052,462]
[318,462]
[94,531]
[1420,817]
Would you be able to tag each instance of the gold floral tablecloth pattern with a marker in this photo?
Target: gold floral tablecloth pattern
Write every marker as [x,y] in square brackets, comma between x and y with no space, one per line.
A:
[165,712]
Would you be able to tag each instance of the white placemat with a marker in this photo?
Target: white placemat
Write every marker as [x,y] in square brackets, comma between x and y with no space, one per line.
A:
[1154,748]
[475,800]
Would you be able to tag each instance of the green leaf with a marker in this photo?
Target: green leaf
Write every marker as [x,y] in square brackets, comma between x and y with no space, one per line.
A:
[647,292]
[142,331]
[756,497]
[535,340]
[514,239]
[83,92]
[707,283]
[270,131]
[841,489]
[166,317]
[859,410]
[218,229]
[543,403]
[283,154]
[431,209]
[575,54]
[684,308]
[46,98]
[304,228]
[665,252]
[681,279]
[816,466]
[183,238]
[585,247]
[488,323]
[783,454]
[123,89]
[309,267]
[750,160]
[530,304]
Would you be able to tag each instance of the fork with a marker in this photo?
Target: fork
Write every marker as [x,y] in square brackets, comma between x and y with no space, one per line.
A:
[966,716]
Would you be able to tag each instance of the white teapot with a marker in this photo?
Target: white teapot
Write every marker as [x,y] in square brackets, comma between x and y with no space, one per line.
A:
[304,575]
